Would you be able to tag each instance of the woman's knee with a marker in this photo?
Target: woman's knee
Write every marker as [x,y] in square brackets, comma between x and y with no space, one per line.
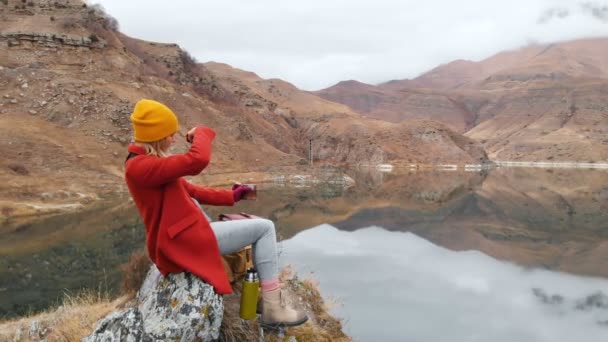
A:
[267,225]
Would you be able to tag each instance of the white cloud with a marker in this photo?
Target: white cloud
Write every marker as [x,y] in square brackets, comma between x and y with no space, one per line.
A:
[316,43]
[399,287]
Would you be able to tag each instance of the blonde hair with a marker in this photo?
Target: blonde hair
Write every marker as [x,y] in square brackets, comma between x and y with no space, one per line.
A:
[154,148]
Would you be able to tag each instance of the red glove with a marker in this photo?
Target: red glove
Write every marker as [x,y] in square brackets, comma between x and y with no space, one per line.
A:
[239,190]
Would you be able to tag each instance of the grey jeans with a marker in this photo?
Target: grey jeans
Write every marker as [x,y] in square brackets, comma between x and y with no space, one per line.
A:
[234,235]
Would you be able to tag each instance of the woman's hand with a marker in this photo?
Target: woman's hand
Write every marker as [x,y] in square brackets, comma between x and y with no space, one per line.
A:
[190,135]
[239,190]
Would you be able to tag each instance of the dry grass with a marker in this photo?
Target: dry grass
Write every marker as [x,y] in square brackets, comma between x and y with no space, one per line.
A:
[71,321]
[134,272]
[233,328]
[320,327]
[78,314]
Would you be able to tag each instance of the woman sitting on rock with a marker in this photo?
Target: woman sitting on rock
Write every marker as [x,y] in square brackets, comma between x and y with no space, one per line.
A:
[178,236]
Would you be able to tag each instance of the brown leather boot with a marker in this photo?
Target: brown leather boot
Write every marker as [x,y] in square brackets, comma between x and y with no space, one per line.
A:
[276,312]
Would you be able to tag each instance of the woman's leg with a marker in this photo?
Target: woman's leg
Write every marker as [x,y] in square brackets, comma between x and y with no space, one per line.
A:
[234,235]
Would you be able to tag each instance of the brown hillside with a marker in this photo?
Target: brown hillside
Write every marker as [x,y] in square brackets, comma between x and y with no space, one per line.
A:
[69,80]
[542,102]
[398,105]
[578,58]
[450,75]
[274,94]
[340,135]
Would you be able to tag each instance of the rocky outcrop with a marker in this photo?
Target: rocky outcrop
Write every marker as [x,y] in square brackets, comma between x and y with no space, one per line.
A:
[179,307]
[126,325]
[52,40]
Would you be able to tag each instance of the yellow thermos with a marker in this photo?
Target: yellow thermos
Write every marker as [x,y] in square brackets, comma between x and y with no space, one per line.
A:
[250,294]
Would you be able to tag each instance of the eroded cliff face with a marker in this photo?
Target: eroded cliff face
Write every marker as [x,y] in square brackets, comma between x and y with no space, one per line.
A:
[542,102]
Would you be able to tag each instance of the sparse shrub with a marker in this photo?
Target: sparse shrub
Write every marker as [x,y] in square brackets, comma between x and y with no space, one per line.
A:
[52,18]
[93,37]
[134,272]
[96,13]
[7,211]
[31,4]
[111,23]
[23,1]
[70,23]
[19,169]
[5,2]
[187,59]
[233,327]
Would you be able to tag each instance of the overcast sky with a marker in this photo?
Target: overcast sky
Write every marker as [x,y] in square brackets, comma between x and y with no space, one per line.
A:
[317,43]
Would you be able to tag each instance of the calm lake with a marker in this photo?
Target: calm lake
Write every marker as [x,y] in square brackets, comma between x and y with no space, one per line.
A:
[511,254]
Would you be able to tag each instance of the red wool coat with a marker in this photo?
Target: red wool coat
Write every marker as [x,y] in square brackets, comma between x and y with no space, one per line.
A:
[178,236]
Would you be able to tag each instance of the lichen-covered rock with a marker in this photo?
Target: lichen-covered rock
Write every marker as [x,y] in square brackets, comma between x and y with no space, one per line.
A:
[124,325]
[179,307]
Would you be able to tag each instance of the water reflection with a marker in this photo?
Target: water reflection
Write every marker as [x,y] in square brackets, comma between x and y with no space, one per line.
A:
[542,218]
[41,261]
[411,287]
[549,218]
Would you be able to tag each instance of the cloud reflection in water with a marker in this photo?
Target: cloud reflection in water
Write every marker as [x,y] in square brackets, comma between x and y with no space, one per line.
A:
[396,286]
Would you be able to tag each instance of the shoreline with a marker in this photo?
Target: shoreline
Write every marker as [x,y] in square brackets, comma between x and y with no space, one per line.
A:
[18,212]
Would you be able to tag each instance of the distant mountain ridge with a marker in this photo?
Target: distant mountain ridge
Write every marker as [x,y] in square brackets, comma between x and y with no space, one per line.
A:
[541,102]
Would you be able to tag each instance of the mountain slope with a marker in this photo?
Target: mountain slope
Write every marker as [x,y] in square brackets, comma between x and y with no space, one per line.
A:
[340,135]
[542,102]
[69,80]
[398,105]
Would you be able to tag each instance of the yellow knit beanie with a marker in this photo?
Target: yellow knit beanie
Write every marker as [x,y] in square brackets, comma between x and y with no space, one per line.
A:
[152,121]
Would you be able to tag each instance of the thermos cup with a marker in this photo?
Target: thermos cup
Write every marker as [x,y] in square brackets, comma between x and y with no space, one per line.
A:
[250,294]
[251,195]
